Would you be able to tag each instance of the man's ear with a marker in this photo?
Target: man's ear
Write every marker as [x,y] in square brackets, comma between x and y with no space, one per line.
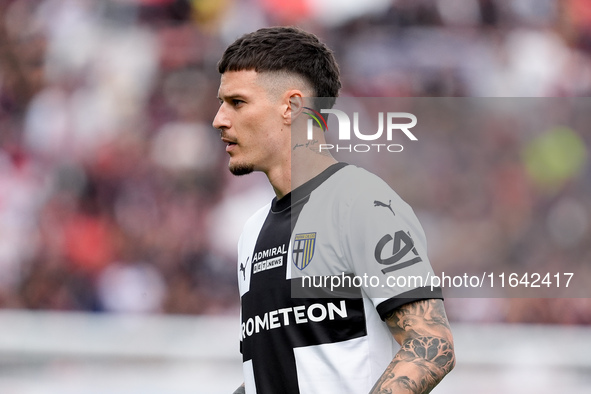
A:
[295,105]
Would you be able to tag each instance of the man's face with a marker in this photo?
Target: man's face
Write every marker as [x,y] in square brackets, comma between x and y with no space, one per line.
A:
[251,123]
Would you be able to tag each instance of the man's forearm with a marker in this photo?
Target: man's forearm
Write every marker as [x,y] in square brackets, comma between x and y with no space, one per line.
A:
[426,352]
[417,368]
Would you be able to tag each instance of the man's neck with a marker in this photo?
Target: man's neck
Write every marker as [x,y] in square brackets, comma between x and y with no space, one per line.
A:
[280,180]
[304,167]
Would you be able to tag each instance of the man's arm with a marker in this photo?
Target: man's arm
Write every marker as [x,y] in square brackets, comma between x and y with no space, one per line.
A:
[426,354]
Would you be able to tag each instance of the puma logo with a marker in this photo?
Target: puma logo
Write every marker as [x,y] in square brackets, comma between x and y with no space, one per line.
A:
[377,203]
[243,269]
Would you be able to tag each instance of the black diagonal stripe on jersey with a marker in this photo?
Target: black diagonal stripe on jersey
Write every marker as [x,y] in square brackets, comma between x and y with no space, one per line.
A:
[272,350]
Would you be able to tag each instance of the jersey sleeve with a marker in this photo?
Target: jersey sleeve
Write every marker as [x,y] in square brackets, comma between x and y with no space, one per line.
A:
[386,247]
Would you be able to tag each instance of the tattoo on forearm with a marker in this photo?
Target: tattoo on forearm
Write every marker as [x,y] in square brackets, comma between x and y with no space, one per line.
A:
[426,354]
[435,350]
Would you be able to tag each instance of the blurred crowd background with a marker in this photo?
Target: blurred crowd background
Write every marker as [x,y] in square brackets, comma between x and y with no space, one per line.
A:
[114,192]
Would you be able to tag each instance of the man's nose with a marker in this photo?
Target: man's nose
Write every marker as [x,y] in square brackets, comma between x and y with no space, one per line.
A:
[221,120]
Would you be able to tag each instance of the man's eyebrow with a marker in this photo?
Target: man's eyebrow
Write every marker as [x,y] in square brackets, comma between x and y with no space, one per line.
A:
[231,96]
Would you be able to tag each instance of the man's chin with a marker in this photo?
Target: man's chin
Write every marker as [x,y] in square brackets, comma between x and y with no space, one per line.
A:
[240,169]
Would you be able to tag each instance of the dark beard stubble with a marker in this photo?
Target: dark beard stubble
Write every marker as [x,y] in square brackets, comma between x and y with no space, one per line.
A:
[241,169]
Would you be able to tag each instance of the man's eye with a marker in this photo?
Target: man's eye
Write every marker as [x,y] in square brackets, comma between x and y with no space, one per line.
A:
[237,102]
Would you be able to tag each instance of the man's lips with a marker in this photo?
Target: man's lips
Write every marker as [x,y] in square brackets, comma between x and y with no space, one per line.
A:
[230,143]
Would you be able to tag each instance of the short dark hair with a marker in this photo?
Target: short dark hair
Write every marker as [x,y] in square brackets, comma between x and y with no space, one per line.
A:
[287,49]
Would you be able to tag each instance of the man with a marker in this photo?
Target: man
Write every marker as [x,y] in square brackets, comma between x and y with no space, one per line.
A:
[328,218]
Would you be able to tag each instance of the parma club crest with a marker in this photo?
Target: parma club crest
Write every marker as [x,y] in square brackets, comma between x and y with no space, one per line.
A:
[303,249]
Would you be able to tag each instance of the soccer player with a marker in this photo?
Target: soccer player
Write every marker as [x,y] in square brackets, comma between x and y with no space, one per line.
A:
[328,218]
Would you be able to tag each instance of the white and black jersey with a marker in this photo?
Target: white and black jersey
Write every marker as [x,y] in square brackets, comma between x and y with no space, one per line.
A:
[345,220]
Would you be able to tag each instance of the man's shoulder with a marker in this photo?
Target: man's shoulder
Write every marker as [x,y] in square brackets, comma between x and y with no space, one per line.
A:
[357,182]
[258,217]
[253,226]
[360,190]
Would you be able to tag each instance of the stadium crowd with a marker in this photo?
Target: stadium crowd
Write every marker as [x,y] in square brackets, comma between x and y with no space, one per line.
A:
[114,192]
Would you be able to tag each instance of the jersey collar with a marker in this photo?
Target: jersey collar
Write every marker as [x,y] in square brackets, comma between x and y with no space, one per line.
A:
[304,190]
